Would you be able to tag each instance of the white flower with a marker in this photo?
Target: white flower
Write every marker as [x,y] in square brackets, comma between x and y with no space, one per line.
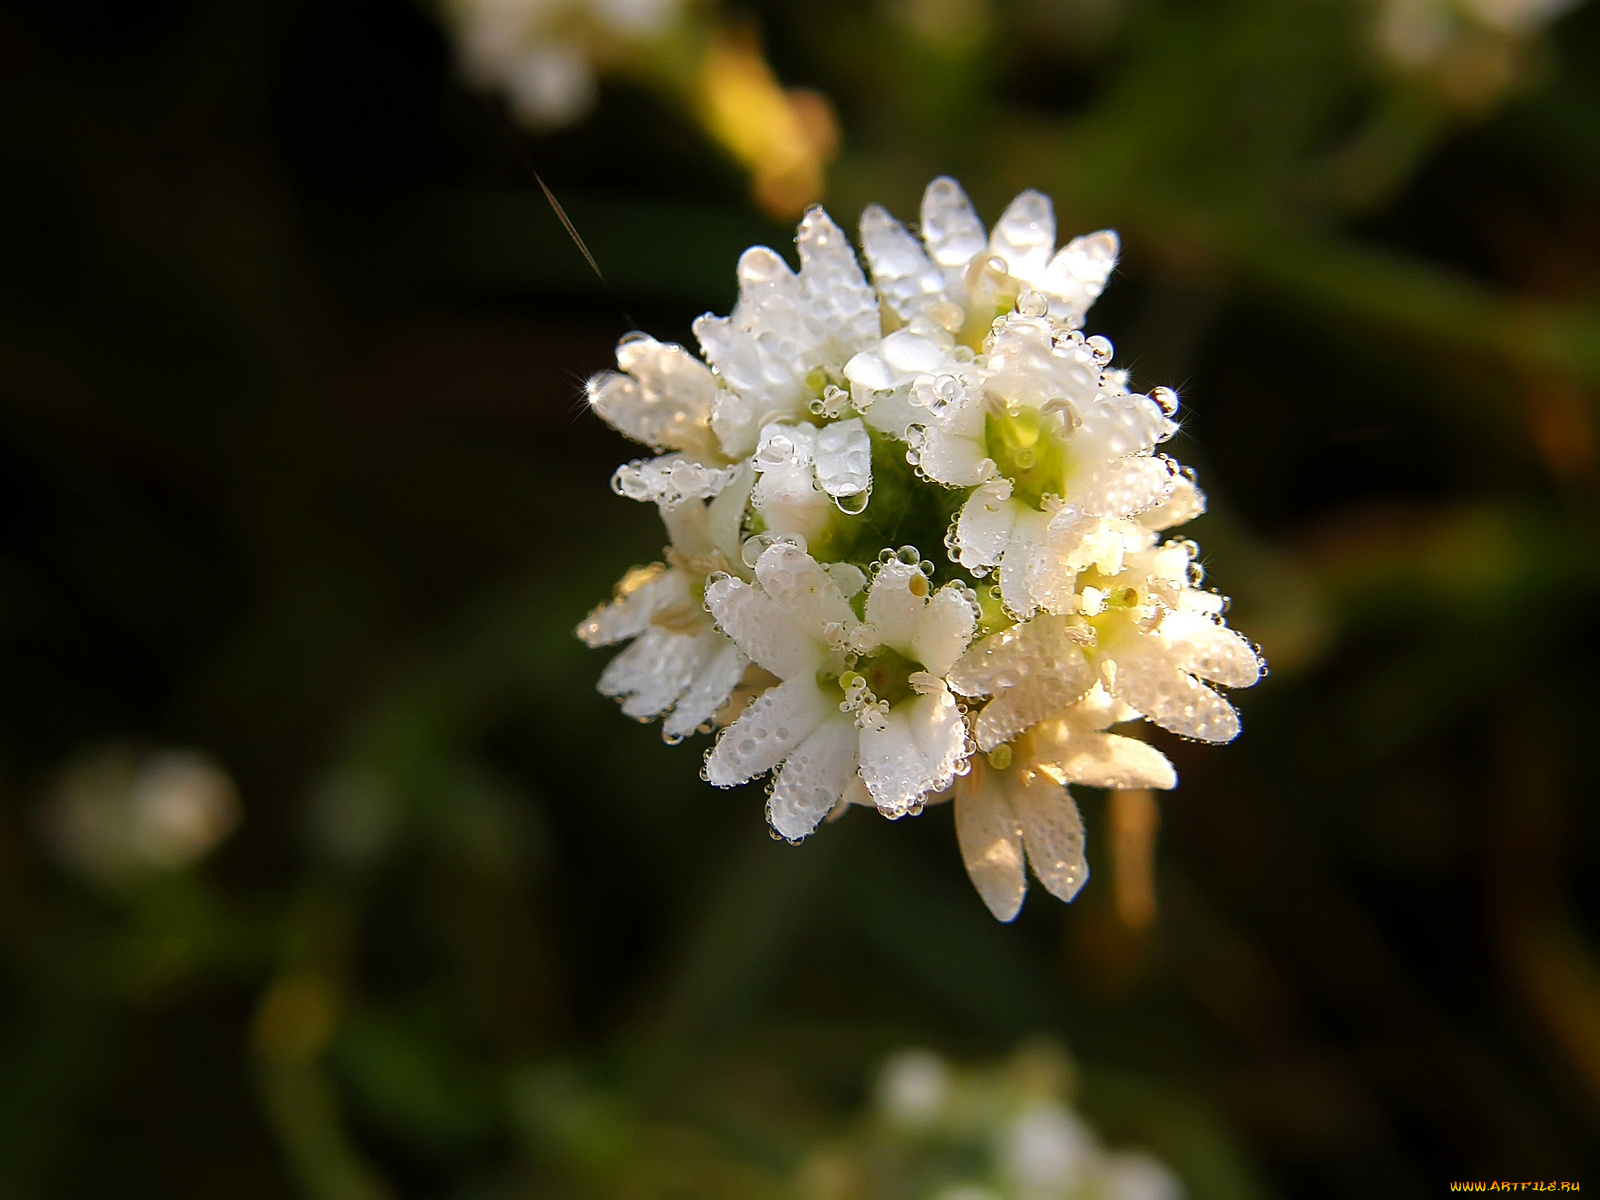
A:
[857,695]
[883,375]
[678,665]
[956,265]
[805,473]
[1149,638]
[662,397]
[789,336]
[1050,442]
[1014,803]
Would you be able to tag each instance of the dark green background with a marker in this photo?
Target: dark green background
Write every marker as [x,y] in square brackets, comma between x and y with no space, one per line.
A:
[294,468]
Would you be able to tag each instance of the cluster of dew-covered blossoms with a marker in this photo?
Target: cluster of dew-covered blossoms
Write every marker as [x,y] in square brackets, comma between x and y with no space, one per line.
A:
[917,548]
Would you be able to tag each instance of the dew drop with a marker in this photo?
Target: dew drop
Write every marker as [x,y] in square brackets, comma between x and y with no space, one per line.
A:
[1031,303]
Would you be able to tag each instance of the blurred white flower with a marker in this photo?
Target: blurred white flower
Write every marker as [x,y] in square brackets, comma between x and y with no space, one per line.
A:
[1045,1151]
[1002,1133]
[543,53]
[913,1088]
[549,56]
[1136,1176]
[116,815]
[841,427]
[1471,52]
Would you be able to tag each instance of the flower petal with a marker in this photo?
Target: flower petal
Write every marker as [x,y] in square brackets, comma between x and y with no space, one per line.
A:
[671,479]
[1185,503]
[762,630]
[663,399]
[953,459]
[1209,649]
[786,493]
[895,602]
[766,733]
[1122,487]
[984,527]
[1079,271]
[991,842]
[839,299]
[814,777]
[802,588]
[1174,700]
[1025,235]
[719,672]
[1032,670]
[643,592]
[893,768]
[940,734]
[844,458]
[944,629]
[1026,564]
[1103,760]
[1052,829]
[950,228]
[1115,426]
[899,267]
[650,674]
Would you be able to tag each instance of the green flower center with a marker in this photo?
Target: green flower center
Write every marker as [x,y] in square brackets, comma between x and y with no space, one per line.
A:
[1029,451]
[887,675]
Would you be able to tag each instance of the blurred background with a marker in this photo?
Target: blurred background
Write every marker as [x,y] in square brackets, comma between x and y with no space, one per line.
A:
[323,870]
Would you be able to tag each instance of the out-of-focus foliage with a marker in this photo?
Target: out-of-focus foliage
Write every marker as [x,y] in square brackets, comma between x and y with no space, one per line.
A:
[546,56]
[293,473]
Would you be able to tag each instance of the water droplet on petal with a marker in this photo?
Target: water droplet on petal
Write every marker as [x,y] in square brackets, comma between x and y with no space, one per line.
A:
[855,504]
[1031,303]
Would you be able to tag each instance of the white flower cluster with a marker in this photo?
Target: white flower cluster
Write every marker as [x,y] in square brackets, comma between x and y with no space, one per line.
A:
[916,525]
